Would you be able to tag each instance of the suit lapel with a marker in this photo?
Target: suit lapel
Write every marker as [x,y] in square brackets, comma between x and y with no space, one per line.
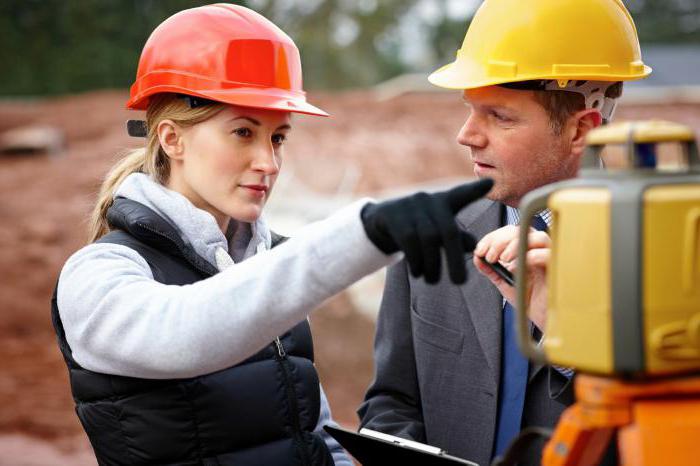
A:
[483,300]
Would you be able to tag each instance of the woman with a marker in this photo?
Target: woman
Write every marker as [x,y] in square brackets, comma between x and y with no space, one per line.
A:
[183,323]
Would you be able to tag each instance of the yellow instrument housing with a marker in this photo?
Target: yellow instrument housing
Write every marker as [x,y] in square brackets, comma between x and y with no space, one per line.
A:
[624,273]
[579,328]
[671,278]
[598,320]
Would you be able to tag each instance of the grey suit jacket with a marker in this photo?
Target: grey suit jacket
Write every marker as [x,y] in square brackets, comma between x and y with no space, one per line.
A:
[438,359]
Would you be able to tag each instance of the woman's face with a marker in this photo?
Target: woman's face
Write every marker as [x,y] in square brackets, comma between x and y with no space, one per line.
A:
[228,164]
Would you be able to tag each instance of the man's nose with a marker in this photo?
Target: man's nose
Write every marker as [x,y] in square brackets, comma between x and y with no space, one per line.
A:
[471,134]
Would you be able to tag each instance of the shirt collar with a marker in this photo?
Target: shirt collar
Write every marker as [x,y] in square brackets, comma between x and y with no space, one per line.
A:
[513,216]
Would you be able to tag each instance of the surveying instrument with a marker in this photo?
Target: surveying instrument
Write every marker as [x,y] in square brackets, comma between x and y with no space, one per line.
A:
[624,297]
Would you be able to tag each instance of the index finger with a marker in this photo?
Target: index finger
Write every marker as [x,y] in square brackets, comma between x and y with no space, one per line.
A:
[459,197]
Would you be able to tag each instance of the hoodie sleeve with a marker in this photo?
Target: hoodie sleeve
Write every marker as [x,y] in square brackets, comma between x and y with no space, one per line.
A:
[119,320]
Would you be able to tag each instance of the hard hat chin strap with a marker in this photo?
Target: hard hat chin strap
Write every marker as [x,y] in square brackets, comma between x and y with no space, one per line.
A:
[137,128]
[195,102]
[592,91]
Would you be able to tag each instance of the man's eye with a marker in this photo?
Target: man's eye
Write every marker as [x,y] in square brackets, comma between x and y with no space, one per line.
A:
[278,139]
[243,132]
[500,116]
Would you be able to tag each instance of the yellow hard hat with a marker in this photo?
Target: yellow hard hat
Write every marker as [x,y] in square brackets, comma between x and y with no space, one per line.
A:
[516,40]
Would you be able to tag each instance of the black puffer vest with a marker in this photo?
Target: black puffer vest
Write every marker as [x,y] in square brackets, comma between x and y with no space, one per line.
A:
[259,412]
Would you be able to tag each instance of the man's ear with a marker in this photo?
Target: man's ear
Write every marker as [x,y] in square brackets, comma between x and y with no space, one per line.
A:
[583,122]
[170,138]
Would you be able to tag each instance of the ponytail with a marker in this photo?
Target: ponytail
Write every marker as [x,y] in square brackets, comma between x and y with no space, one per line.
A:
[132,162]
[151,159]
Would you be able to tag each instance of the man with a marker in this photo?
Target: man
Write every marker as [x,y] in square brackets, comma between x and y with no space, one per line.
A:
[537,76]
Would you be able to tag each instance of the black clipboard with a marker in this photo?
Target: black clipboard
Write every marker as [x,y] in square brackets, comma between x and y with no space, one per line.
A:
[370,450]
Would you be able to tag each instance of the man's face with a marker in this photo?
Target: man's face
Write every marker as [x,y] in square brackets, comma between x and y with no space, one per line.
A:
[512,141]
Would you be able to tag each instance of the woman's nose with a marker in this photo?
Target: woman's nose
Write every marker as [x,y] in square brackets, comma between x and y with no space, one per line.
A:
[265,161]
[471,135]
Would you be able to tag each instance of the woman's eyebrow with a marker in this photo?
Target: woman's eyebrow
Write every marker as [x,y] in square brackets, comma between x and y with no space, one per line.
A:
[252,120]
[257,123]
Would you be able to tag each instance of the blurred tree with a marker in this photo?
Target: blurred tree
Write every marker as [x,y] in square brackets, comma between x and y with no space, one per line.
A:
[666,21]
[446,34]
[343,43]
[59,46]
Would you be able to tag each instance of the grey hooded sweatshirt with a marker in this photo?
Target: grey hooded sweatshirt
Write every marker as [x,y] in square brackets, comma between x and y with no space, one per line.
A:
[119,320]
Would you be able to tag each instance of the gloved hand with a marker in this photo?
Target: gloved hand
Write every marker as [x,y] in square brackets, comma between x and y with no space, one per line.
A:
[421,224]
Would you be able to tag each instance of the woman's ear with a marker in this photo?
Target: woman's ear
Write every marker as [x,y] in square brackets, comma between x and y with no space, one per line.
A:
[170,138]
[582,123]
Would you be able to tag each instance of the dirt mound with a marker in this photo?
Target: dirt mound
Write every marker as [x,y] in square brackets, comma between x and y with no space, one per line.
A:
[46,199]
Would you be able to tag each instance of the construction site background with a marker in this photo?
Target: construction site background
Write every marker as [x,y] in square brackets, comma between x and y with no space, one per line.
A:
[390,132]
[371,146]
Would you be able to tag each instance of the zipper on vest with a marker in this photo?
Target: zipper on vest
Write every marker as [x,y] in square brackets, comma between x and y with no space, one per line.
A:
[292,400]
[280,348]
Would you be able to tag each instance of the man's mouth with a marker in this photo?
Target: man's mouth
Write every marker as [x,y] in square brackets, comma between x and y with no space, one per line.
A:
[482,164]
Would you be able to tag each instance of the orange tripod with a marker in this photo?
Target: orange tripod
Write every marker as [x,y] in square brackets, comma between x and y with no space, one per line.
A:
[657,422]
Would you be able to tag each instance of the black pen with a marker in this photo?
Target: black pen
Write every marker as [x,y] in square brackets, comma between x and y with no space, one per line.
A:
[501,271]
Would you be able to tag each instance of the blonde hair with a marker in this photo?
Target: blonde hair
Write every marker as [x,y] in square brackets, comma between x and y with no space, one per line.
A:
[151,159]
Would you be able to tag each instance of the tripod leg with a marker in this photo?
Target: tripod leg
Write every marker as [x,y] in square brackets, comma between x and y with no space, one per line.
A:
[663,431]
[576,442]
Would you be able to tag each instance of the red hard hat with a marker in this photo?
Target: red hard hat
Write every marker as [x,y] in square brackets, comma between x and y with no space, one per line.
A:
[226,53]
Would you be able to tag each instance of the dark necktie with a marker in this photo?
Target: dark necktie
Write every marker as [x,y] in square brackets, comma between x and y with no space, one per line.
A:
[514,371]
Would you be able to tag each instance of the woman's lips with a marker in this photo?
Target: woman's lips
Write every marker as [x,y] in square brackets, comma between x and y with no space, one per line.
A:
[257,190]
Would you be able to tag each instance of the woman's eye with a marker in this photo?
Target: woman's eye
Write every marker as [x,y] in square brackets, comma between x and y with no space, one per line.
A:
[243,132]
[278,139]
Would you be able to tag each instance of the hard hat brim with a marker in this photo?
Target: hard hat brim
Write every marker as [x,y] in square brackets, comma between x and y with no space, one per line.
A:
[263,98]
[458,75]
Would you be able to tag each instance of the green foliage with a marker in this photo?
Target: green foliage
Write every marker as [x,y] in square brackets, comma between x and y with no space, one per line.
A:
[666,21]
[59,46]
[63,46]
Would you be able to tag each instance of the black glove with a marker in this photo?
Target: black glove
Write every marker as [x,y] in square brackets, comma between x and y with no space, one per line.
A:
[422,223]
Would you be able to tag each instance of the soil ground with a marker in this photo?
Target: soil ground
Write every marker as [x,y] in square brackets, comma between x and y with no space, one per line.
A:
[44,202]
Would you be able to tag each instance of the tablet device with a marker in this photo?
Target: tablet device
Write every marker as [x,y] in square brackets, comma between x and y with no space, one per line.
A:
[372,448]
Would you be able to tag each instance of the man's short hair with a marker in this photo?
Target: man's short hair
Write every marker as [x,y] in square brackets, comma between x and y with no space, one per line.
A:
[560,105]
